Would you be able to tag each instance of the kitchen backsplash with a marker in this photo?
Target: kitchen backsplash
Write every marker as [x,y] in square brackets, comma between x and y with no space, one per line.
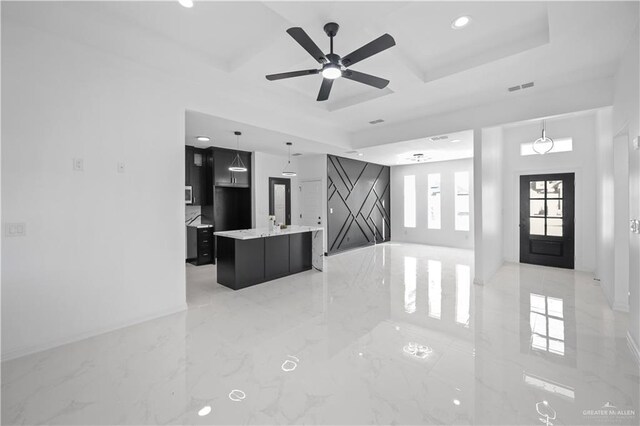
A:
[190,213]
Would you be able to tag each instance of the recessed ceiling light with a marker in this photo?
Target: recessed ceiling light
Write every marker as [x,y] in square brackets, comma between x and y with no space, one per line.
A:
[360,154]
[455,140]
[460,22]
[186,3]
[456,402]
[203,138]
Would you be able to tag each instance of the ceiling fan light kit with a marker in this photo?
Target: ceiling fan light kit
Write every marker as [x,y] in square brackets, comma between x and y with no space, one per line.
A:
[334,66]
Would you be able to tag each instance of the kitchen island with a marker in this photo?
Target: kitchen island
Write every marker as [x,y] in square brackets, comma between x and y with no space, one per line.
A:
[252,256]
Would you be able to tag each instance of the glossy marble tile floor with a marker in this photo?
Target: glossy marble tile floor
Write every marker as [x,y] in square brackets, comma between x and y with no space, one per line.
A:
[389,334]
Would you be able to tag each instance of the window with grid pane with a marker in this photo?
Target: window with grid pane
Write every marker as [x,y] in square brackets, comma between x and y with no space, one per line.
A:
[545,205]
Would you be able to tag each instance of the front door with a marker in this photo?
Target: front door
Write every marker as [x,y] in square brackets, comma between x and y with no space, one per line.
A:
[547,220]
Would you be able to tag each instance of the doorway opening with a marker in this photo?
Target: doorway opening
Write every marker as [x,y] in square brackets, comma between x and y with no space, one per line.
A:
[547,220]
[280,200]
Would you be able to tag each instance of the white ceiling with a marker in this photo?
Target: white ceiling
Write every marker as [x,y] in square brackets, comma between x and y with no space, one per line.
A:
[433,69]
[221,133]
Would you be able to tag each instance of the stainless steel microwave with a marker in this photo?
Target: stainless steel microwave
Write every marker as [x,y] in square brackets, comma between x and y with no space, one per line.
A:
[188,195]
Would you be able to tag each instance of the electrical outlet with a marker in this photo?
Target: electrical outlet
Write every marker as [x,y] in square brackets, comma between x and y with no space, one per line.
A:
[15,229]
[120,167]
[636,143]
[78,164]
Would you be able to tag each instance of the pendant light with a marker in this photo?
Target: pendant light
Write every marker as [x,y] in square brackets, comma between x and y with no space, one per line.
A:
[287,170]
[237,165]
[543,145]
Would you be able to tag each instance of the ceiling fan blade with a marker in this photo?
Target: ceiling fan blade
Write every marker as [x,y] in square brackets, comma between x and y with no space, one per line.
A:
[272,77]
[383,42]
[325,89]
[305,41]
[361,77]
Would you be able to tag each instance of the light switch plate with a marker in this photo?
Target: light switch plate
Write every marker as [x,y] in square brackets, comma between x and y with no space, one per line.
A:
[15,229]
[78,164]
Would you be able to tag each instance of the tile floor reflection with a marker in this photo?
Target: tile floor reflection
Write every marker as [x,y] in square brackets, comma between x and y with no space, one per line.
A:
[395,333]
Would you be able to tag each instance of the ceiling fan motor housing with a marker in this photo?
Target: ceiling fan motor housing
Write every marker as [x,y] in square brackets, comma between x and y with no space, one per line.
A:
[331,29]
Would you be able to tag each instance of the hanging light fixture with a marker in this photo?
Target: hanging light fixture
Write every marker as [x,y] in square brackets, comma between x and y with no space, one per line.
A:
[543,145]
[237,165]
[287,170]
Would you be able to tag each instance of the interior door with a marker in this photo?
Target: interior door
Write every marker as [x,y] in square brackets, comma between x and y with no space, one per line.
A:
[311,203]
[547,220]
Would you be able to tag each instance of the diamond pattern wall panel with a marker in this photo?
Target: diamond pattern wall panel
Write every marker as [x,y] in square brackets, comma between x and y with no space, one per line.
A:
[359,203]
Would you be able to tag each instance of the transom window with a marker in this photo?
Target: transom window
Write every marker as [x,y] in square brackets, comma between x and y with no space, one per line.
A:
[545,204]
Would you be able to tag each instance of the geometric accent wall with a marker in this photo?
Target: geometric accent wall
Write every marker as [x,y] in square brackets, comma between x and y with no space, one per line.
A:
[359,203]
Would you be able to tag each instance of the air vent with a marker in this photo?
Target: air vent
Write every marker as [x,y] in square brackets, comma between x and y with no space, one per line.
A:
[522,86]
[439,138]
[297,154]
[351,152]
[379,120]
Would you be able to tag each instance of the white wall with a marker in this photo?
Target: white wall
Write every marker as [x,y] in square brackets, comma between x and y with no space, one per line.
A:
[103,249]
[581,161]
[446,235]
[266,166]
[626,117]
[605,204]
[314,167]
[488,190]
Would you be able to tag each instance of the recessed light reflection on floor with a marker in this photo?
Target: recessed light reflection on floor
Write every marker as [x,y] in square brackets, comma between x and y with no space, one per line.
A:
[237,395]
[417,351]
[204,411]
[290,364]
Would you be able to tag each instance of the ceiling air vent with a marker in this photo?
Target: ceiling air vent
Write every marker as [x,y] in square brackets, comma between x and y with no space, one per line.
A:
[297,154]
[379,120]
[351,152]
[438,138]
[522,86]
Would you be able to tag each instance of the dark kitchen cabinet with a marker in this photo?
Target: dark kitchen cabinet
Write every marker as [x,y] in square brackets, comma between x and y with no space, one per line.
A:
[222,159]
[197,175]
[201,245]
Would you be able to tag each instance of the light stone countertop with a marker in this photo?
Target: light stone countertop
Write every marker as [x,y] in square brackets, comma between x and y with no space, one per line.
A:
[248,234]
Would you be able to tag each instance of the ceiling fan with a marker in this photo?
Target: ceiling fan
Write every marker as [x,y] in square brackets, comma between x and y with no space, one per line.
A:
[334,66]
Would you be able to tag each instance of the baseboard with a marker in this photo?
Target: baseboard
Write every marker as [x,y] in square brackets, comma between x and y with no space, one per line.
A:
[29,350]
[633,347]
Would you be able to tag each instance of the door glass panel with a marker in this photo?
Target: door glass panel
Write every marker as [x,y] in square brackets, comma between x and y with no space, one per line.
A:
[554,227]
[537,208]
[536,226]
[554,189]
[554,208]
[536,189]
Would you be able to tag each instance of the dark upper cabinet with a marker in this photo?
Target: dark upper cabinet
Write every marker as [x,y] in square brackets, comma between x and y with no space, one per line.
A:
[197,175]
[222,159]
[188,161]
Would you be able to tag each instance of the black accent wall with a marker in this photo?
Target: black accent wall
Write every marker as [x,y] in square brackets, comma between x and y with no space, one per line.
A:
[358,205]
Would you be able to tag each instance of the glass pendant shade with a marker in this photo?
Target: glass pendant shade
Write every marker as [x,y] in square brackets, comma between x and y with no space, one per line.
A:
[237,165]
[543,145]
